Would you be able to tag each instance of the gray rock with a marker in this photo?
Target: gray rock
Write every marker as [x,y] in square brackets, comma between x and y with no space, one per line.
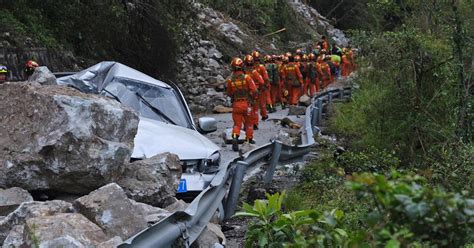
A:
[209,237]
[246,147]
[202,51]
[213,64]
[56,138]
[43,76]
[179,205]
[15,237]
[11,198]
[154,180]
[152,214]
[305,100]
[205,43]
[284,138]
[29,210]
[110,209]
[62,230]
[297,110]
[111,243]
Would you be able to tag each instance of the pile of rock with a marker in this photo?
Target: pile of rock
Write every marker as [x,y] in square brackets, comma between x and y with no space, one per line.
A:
[202,74]
[104,218]
[318,22]
[59,141]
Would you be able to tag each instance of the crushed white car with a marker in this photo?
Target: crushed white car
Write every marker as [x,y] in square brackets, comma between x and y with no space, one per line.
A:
[166,124]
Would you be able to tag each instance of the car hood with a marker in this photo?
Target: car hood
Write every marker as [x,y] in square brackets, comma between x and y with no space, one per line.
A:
[155,137]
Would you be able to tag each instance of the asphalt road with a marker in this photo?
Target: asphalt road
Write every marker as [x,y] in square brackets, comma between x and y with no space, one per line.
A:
[268,129]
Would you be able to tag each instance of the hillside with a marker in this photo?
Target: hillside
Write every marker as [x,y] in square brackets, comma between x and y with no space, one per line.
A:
[188,42]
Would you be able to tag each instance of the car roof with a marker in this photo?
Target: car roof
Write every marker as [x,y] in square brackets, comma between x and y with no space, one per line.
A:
[98,76]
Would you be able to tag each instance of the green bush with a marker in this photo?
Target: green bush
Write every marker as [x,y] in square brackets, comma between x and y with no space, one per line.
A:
[305,228]
[369,160]
[407,210]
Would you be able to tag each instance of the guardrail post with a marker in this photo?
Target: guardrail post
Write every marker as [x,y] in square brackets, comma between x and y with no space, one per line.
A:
[320,111]
[314,116]
[341,93]
[330,98]
[234,190]
[273,162]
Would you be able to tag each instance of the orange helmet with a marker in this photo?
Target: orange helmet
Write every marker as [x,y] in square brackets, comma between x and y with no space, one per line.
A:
[267,58]
[297,58]
[311,57]
[305,57]
[237,64]
[248,60]
[256,54]
[31,64]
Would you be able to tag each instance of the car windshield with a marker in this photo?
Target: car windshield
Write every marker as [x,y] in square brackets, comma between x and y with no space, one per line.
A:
[165,104]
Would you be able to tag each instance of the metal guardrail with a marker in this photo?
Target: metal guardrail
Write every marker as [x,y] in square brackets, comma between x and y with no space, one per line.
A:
[182,228]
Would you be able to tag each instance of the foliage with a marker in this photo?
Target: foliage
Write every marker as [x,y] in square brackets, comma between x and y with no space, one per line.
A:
[144,34]
[306,228]
[368,160]
[264,16]
[415,83]
[409,211]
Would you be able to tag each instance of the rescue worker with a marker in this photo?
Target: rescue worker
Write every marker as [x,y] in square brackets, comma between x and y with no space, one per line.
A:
[351,58]
[264,98]
[30,68]
[274,76]
[312,81]
[284,93]
[242,89]
[293,79]
[336,61]
[325,43]
[259,82]
[304,72]
[345,64]
[324,71]
[3,74]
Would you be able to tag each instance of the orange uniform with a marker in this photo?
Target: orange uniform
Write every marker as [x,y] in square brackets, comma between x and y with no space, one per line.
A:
[274,76]
[263,90]
[283,88]
[259,82]
[324,73]
[312,80]
[241,88]
[352,60]
[294,81]
[346,66]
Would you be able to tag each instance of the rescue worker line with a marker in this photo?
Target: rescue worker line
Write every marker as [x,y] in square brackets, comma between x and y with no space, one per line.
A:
[259,83]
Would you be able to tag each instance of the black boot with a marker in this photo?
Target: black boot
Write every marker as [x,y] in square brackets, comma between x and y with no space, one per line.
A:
[255,127]
[264,117]
[251,141]
[283,106]
[235,144]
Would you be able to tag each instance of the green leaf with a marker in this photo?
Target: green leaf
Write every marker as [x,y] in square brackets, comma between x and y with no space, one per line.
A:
[393,243]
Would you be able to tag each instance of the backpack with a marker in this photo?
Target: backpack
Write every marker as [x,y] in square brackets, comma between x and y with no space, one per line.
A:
[241,87]
[291,75]
[273,73]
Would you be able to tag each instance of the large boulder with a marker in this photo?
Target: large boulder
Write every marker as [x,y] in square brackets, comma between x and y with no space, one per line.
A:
[154,180]
[11,198]
[62,230]
[43,76]
[109,208]
[29,210]
[56,138]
